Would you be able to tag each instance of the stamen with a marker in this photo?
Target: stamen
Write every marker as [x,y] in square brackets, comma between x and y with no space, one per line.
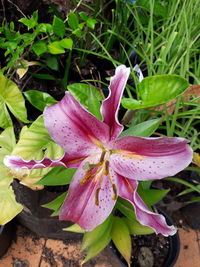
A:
[114,191]
[106,171]
[102,156]
[97,196]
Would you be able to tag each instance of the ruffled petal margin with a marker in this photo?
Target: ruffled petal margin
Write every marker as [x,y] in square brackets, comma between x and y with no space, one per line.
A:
[17,162]
[110,105]
[127,190]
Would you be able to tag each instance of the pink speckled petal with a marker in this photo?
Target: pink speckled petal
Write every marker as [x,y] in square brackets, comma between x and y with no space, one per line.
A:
[74,128]
[20,163]
[149,158]
[111,104]
[80,204]
[143,214]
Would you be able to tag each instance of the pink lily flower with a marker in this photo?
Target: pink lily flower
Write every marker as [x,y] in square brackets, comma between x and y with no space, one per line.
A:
[107,166]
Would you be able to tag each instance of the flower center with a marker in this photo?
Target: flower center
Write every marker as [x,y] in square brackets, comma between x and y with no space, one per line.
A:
[97,172]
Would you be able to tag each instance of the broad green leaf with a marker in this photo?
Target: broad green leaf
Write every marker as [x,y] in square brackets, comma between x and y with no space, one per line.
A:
[56,203]
[74,228]
[39,47]
[90,238]
[73,20]
[11,98]
[7,141]
[135,228]
[32,22]
[58,176]
[83,15]
[121,238]
[55,48]
[66,43]
[94,104]
[151,196]
[58,27]
[52,63]
[83,91]
[44,27]
[91,23]
[97,247]
[39,99]
[144,129]
[8,206]
[156,90]
[77,32]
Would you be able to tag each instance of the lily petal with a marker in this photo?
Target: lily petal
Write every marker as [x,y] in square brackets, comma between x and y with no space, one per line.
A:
[74,128]
[20,163]
[88,203]
[149,158]
[110,105]
[127,190]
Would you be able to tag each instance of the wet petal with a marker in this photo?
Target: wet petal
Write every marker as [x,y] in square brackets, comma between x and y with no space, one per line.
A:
[90,203]
[74,128]
[127,190]
[111,104]
[149,158]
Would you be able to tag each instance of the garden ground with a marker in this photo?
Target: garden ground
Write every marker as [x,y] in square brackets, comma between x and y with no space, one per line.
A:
[30,251]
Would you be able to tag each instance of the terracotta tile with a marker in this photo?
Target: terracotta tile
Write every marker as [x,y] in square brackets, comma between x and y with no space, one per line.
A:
[26,251]
[190,248]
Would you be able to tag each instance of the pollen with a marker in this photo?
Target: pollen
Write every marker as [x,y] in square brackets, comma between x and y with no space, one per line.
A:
[97,196]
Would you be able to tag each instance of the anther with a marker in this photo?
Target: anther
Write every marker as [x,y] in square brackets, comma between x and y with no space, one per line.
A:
[97,196]
[114,192]
[102,156]
[106,171]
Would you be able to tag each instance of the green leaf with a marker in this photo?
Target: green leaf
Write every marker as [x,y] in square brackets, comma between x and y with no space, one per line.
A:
[144,129]
[56,203]
[7,142]
[39,99]
[8,205]
[39,48]
[58,176]
[121,238]
[94,104]
[126,208]
[90,238]
[151,196]
[73,20]
[52,63]
[56,48]
[58,27]
[91,23]
[66,43]
[97,247]
[43,76]
[74,228]
[156,90]
[77,32]
[135,228]
[32,22]
[12,98]
[83,15]
[45,28]
[83,91]
[181,181]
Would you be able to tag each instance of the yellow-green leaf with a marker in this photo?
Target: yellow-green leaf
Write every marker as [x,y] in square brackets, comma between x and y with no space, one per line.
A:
[11,98]
[121,238]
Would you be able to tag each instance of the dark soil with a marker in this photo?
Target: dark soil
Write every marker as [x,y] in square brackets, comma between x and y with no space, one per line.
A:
[148,250]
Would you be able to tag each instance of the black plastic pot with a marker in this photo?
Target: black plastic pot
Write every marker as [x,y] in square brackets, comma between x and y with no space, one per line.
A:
[7,234]
[173,251]
[37,218]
